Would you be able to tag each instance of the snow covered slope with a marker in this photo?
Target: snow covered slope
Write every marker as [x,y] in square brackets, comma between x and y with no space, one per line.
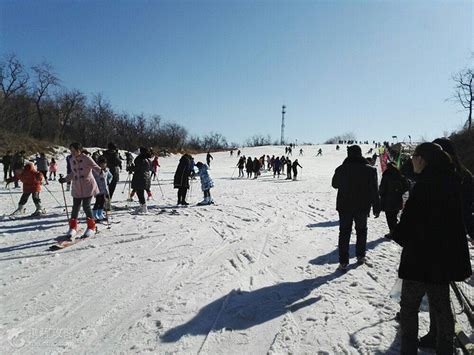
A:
[253,274]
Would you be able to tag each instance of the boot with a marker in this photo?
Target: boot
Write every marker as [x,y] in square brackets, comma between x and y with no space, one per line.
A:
[427,341]
[19,210]
[71,233]
[90,231]
[39,210]
[142,209]
[100,214]
[94,214]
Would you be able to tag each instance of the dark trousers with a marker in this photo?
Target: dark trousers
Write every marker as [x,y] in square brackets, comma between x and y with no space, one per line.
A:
[141,196]
[345,229]
[440,311]
[86,206]
[26,195]
[99,202]
[182,191]
[115,178]
[391,219]
[7,173]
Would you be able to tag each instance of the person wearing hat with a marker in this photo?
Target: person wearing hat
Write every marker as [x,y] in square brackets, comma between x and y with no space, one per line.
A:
[356,182]
[206,183]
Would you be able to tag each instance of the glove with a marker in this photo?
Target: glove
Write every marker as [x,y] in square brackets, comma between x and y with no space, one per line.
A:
[62,180]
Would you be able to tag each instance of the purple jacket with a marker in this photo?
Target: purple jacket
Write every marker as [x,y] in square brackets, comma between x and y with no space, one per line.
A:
[83,182]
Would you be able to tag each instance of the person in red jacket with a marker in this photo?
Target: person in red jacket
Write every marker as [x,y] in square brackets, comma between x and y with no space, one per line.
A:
[31,179]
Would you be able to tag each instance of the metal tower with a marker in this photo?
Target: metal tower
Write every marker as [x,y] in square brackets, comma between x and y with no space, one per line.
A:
[282,139]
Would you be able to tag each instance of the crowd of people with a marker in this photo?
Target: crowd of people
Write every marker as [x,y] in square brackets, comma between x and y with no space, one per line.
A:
[432,190]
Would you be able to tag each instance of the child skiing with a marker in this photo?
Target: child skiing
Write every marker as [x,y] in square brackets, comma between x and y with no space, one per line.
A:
[206,183]
[83,189]
[53,168]
[155,165]
[102,180]
[31,180]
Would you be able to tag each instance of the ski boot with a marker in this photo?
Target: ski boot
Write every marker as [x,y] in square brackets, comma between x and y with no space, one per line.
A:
[39,210]
[142,209]
[19,210]
[91,228]
[71,233]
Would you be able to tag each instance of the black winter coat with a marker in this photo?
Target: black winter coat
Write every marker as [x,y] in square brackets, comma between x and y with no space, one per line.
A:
[357,186]
[141,173]
[431,231]
[183,171]
[392,187]
[113,159]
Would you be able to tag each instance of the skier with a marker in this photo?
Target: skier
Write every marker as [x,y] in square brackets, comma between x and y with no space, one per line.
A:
[154,164]
[392,187]
[181,178]
[276,167]
[115,165]
[83,189]
[231,152]
[249,167]
[256,165]
[102,180]
[288,169]
[320,152]
[206,183]
[53,168]
[301,151]
[294,167]
[7,162]
[31,180]
[18,162]
[208,159]
[238,153]
[141,180]
[337,147]
[240,165]
[42,165]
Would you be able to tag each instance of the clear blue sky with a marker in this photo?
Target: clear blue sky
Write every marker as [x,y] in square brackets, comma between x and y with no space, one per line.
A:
[374,68]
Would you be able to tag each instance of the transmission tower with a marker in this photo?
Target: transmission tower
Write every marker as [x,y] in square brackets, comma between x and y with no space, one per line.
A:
[282,139]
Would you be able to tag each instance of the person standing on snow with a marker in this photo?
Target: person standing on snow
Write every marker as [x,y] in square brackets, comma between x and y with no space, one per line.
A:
[356,182]
[294,167]
[7,162]
[435,250]
[240,165]
[181,178]
[155,165]
[115,165]
[31,179]
[208,159]
[206,183]
[102,179]
[42,165]
[141,180]
[83,188]
[392,187]
[288,169]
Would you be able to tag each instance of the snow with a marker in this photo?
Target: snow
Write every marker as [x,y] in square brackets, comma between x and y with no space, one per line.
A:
[253,274]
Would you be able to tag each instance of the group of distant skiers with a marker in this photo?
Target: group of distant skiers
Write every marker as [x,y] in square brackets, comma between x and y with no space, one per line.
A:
[253,167]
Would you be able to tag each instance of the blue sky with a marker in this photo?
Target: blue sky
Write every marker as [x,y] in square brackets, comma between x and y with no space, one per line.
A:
[374,68]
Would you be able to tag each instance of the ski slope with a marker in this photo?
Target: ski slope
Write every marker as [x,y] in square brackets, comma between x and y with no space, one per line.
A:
[253,274]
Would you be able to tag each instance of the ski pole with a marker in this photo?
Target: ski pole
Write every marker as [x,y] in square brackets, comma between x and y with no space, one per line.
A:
[126,183]
[10,192]
[64,196]
[57,201]
[159,185]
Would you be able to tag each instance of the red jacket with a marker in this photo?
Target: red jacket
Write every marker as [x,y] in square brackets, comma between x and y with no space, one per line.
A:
[30,178]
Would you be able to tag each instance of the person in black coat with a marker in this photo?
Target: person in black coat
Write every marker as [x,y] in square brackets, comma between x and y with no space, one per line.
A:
[294,167]
[435,250]
[141,180]
[115,165]
[357,186]
[392,187]
[249,167]
[181,178]
[7,162]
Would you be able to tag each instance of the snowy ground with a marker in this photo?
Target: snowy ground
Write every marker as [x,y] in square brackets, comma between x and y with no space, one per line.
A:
[253,274]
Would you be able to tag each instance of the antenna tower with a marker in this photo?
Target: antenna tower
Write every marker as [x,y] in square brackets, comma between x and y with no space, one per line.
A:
[282,139]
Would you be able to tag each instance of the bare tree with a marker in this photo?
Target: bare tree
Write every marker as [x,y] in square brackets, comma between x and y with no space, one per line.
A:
[13,77]
[67,103]
[464,93]
[44,80]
